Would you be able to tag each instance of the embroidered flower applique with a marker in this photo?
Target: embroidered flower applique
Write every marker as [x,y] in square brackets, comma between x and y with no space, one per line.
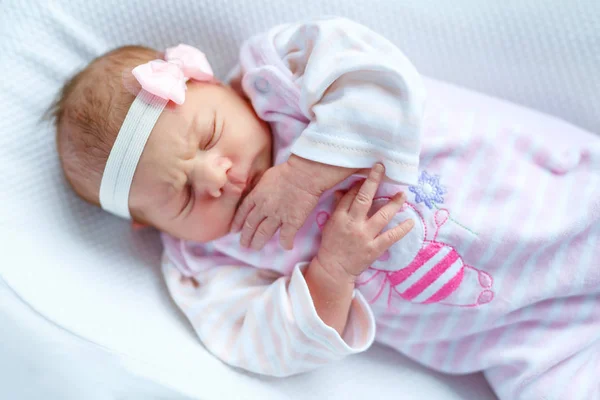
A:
[429,190]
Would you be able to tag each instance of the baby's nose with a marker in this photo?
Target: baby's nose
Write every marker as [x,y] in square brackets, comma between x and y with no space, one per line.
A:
[217,175]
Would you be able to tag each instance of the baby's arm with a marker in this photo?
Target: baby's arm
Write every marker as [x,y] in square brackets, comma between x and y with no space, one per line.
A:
[363,100]
[277,325]
[352,241]
[266,323]
[362,96]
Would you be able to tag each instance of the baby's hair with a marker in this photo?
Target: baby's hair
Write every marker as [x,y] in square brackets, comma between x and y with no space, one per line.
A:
[88,113]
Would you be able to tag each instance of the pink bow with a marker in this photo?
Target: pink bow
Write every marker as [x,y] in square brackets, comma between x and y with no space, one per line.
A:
[167,79]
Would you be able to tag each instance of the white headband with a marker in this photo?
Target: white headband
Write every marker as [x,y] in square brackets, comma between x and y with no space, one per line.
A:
[126,152]
[161,81]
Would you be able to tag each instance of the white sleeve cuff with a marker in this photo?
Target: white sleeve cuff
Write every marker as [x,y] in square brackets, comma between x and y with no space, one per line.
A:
[402,168]
[359,333]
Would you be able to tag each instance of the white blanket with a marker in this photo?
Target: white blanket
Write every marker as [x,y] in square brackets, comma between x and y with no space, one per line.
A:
[83,310]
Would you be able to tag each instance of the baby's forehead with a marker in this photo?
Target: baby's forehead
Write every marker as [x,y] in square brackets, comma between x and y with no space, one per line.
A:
[186,122]
[172,138]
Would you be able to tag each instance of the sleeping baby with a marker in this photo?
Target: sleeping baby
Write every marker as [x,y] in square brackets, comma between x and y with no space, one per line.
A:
[319,200]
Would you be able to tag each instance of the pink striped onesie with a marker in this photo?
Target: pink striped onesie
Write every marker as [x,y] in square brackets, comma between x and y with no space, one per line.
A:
[500,274]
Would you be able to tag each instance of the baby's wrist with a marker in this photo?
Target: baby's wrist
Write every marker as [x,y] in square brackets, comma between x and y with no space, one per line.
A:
[321,177]
[334,270]
[331,296]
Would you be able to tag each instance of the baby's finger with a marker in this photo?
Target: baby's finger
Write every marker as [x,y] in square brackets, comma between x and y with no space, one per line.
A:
[254,219]
[364,198]
[264,232]
[287,234]
[337,196]
[391,236]
[346,201]
[385,214]
[241,214]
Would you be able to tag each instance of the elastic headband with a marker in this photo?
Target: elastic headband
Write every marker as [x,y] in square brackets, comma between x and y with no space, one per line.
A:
[161,81]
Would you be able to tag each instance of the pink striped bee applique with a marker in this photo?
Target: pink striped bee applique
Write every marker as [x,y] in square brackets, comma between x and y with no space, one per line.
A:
[422,269]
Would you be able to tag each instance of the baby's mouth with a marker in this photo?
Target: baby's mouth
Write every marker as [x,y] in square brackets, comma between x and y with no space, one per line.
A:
[237,183]
[253,180]
[234,189]
[249,185]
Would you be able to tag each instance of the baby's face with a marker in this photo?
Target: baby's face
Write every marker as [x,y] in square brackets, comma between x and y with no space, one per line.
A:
[201,159]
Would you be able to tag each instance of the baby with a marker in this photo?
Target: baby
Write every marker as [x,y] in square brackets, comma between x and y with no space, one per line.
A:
[473,269]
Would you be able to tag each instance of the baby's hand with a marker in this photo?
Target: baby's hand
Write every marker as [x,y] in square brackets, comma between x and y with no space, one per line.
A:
[351,240]
[283,198]
[278,200]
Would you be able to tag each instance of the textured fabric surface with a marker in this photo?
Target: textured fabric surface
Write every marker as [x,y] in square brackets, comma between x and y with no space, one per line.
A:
[70,261]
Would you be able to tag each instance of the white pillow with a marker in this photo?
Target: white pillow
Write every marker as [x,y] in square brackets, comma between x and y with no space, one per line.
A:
[87,273]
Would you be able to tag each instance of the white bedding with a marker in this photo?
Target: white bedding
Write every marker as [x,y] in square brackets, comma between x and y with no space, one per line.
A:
[83,310]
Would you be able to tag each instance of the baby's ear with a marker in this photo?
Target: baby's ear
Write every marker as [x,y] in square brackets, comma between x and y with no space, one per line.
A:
[137,226]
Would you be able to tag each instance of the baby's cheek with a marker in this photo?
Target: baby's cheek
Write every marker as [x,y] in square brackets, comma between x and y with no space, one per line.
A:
[214,221]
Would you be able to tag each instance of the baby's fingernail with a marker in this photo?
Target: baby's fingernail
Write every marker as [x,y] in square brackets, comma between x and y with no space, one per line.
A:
[378,168]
